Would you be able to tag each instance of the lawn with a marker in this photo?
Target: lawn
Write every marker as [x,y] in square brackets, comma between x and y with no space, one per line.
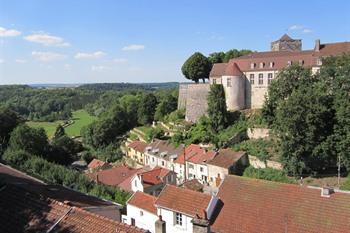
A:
[81,118]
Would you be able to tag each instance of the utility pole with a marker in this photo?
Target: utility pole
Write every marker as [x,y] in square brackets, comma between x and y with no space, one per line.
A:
[339,170]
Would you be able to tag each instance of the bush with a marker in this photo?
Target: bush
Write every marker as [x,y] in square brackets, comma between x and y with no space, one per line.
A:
[176,116]
[256,147]
[267,174]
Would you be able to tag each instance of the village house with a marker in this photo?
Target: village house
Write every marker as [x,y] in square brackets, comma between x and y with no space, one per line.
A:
[119,176]
[161,153]
[97,164]
[141,211]
[153,181]
[191,163]
[136,151]
[226,162]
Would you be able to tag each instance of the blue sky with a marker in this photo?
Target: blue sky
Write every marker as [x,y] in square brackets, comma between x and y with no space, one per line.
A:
[76,41]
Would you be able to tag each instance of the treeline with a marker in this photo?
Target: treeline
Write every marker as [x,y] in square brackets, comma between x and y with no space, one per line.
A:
[126,86]
[309,113]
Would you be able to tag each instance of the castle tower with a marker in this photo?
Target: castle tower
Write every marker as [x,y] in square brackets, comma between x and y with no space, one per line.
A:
[286,43]
[234,86]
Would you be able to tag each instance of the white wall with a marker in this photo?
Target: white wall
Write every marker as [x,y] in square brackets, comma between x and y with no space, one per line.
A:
[146,221]
[196,170]
[168,217]
[136,184]
[213,173]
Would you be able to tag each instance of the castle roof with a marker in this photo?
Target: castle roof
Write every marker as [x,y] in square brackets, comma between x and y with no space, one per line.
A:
[285,37]
[232,69]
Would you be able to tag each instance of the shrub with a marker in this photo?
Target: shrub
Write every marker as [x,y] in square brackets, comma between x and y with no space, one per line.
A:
[267,174]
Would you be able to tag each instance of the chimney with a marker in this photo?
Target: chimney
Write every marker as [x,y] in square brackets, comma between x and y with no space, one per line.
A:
[160,225]
[317,45]
[326,191]
[201,225]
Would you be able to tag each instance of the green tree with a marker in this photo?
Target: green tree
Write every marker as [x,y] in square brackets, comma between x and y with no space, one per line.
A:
[59,132]
[217,57]
[167,105]
[217,110]
[8,122]
[147,109]
[32,140]
[196,67]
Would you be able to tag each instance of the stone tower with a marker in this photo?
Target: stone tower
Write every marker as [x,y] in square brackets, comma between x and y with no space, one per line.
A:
[234,86]
[285,43]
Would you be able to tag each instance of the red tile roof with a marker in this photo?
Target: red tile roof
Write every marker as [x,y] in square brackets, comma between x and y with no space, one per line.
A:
[113,176]
[251,205]
[226,157]
[25,211]
[280,59]
[232,69]
[182,200]
[195,154]
[193,184]
[155,176]
[96,163]
[138,146]
[143,201]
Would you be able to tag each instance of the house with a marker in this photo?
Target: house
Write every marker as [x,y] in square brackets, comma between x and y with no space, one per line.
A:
[246,79]
[191,163]
[153,181]
[136,151]
[141,211]
[119,176]
[29,205]
[184,210]
[226,162]
[161,153]
[97,164]
[252,205]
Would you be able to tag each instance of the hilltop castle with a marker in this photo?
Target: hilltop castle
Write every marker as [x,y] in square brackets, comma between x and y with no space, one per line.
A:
[246,79]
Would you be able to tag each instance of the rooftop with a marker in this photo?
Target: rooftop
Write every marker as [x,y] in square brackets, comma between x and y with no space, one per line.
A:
[96,163]
[138,146]
[226,157]
[251,205]
[143,201]
[195,154]
[162,148]
[155,176]
[184,201]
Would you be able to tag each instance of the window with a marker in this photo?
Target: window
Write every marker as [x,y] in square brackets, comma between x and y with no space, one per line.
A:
[262,65]
[214,80]
[178,219]
[152,159]
[251,79]
[135,183]
[261,79]
[190,166]
[229,84]
[272,64]
[163,163]
[201,169]
[204,178]
[141,213]
[269,78]
[132,222]
[252,65]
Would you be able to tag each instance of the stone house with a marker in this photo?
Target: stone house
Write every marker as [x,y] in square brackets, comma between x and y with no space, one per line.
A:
[136,151]
[226,162]
[161,153]
[153,181]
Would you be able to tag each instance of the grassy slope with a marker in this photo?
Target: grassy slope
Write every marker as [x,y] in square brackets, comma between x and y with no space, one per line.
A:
[80,117]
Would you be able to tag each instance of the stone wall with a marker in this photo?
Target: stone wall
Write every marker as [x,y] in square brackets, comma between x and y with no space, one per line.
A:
[257,163]
[194,98]
[256,133]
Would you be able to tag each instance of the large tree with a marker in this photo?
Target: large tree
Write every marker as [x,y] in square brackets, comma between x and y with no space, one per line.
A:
[196,67]
[147,109]
[8,122]
[217,110]
[166,105]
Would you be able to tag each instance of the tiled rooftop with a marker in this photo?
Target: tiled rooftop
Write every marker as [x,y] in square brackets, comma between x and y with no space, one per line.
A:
[226,157]
[138,146]
[143,201]
[96,163]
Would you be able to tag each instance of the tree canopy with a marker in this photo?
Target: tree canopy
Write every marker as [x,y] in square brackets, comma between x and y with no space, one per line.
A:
[217,110]
[196,67]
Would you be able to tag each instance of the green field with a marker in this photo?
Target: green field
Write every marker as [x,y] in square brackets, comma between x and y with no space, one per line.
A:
[81,118]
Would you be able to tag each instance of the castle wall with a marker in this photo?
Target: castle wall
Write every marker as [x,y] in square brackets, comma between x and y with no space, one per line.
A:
[195,98]
[181,102]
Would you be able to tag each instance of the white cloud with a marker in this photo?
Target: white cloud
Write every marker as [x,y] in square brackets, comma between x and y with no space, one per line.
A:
[8,32]
[133,47]
[21,61]
[99,68]
[47,40]
[301,28]
[48,56]
[94,55]
[120,60]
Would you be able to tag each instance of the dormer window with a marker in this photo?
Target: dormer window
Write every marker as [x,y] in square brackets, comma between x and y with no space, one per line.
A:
[252,65]
[272,64]
[262,65]
[289,63]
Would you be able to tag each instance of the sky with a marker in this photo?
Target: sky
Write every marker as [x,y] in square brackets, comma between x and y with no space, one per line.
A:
[94,41]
